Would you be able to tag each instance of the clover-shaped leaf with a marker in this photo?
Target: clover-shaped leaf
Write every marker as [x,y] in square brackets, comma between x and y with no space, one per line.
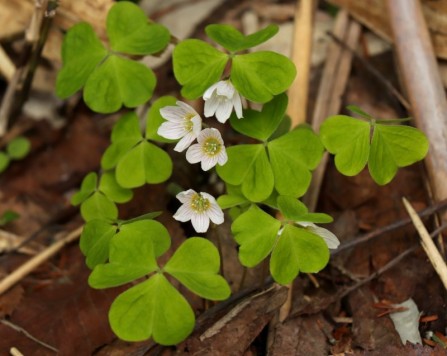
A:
[130,31]
[197,66]
[256,232]
[391,146]
[196,264]
[97,234]
[231,39]
[297,250]
[261,75]
[98,201]
[292,157]
[154,309]
[262,124]
[118,81]
[137,160]
[249,166]
[109,80]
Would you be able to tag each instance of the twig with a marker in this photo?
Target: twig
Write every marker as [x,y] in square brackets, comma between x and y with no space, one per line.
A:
[31,264]
[394,226]
[28,335]
[6,66]
[386,83]
[427,244]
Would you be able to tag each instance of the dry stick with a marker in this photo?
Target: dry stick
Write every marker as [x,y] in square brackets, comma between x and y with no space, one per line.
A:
[7,67]
[394,226]
[380,78]
[31,264]
[427,244]
[329,99]
[28,335]
[420,74]
[298,92]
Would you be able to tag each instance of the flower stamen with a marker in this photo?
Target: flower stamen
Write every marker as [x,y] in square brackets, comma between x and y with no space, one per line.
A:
[199,203]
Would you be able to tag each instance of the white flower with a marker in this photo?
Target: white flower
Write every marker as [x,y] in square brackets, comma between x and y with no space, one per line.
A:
[182,122]
[328,237]
[199,208]
[220,98]
[209,150]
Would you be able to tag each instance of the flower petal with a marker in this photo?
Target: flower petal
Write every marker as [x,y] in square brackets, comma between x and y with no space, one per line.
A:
[222,157]
[185,142]
[196,125]
[211,106]
[223,111]
[171,130]
[184,213]
[194,154]
[209,92]
[185,197]
[237,103]
[172,113]
[200,222]
[208,162]
[186,108]
[216,214]
[225,88]
[330,239]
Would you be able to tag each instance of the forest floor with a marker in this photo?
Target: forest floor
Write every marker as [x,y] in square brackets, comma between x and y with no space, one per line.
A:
[344,309]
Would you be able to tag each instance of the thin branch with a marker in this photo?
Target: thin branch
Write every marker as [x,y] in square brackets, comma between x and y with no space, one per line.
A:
[394,226]
[28,335]
[388,85]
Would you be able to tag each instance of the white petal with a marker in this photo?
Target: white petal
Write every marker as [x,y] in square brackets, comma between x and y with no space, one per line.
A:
[209,92]
[184,143]
[208,196]
[196,125]
[186,108]
[223,111]
[185,197]
[237,103]
[172,113]
[211,105]
[200,222]
[222,157]
[216,214]
[208,133]
[305,223]
[194,154]
[171,130]
[330,239]
[184,213]
[208,162]
[225,88]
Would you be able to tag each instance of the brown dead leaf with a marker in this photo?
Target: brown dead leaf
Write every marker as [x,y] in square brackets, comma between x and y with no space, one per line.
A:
[10,300]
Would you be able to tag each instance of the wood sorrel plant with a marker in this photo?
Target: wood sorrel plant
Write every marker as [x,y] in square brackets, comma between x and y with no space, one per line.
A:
[273,172]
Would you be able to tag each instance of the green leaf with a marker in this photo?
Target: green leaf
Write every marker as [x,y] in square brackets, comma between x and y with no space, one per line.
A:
[228,201]
[261,75]
[297,250]
[256,232]
[111,189]
[355,109]
[154,119]
[291,208]
[248,165]
[317,218]
[126,134]
[88,186]
[197,66]
[95,241]
[393,147]
[8,216]
[98,206]
[196,264]
[18,148]
[148,216]
[231,39]
[116,82]
[131,257]
[292,156]
[154,309]
[261,125]
[284,127]
[145,163]
[82,51]
[4,161]
[130,31]
[348,140]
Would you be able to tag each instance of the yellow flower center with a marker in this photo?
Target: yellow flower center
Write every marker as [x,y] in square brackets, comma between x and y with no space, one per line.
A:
[199,204]
[211,146]
[188,123]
